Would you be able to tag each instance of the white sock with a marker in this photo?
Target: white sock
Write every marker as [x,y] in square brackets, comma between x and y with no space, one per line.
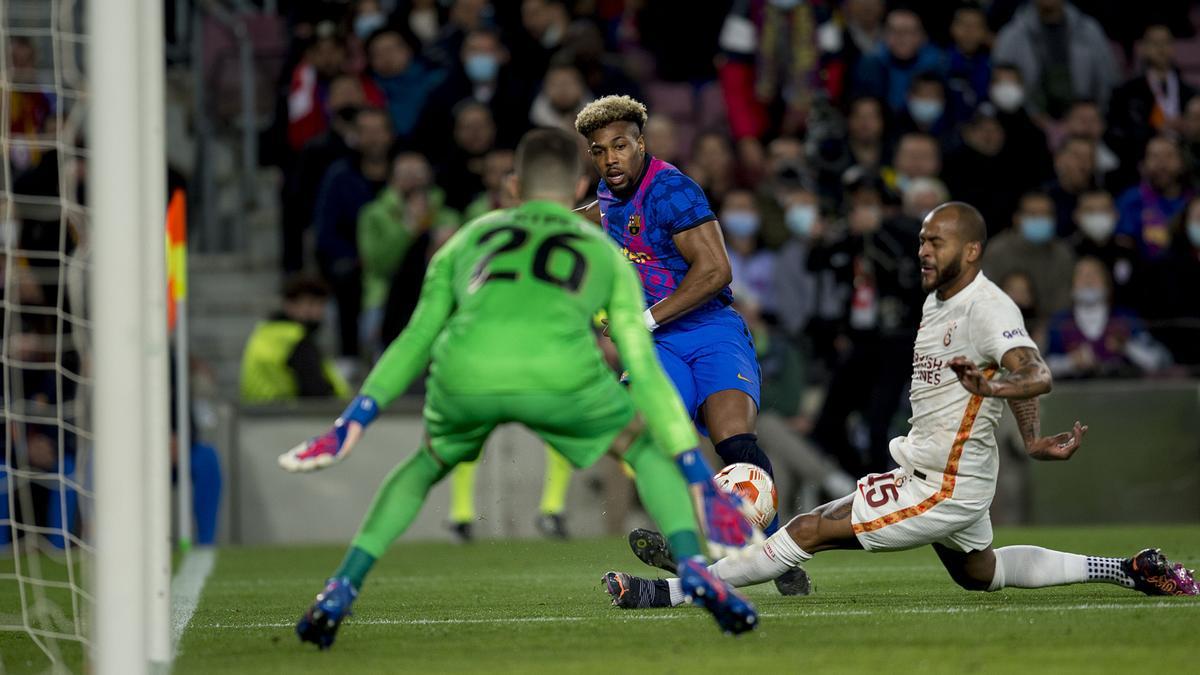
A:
[675,586]
[761,562]
[1036,567]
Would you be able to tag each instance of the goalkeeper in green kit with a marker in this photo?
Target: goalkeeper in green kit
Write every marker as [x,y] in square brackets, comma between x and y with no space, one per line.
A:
[505,323]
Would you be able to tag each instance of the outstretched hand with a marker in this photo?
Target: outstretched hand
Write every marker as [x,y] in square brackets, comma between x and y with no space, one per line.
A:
[971,378]
[1060,446]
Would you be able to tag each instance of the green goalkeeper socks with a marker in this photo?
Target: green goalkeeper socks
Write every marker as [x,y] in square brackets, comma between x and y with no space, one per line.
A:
[665,496]
[395,507]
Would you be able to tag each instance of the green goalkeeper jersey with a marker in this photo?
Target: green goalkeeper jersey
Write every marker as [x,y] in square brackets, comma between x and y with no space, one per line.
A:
[507,306]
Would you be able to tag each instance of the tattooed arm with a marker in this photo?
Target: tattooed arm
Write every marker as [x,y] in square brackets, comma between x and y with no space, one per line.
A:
[1057,447]
[1028,375]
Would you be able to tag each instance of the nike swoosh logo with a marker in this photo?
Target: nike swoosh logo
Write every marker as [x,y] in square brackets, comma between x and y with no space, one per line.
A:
[743,379]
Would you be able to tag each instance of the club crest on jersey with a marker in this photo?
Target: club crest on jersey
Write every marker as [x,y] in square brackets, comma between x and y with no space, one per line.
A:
[949,333]
[635,224]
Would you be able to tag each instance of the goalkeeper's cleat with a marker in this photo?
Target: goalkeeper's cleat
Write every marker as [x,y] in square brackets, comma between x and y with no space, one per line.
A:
[552,526]
[320,623]
[1153,574]
[794,582]
[630,592]
[733,612]
[651,548]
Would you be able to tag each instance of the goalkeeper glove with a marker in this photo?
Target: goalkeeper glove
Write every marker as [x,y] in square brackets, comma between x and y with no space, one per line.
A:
[332,446]
[725,517]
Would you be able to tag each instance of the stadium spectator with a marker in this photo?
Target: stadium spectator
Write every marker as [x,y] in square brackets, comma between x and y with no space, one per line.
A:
[843,44]
[925,109]
[1152,102]
[1189,127]
[875,260]
[918,155]
[1074,174]
[282,360]
[783,169]
[422,18]
[497,165]
[662,138]
[968,63]
[562,96]
[30,109]
[1095,339]
[603,73]
[795,285]
[410,207]
[1032,248]
[920,196]
[398,79]
[887,72]
[1147,209]
[753,268]
[302,183]
[348,186]
[1019,286]
[1171,303]
[1083,120]
[1062,54]
[307,102]
[461,172]
[1007,92]
[860,150]
[544,26]
[973,169]
[483,74]
[368,17]
[786,61]
[1096,223]
[712,166]
[463,17]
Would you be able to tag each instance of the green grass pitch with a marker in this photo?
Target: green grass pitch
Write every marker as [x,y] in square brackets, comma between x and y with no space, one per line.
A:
[529,607]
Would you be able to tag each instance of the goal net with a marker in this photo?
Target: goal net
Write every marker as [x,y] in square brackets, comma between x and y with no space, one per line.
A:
[45,493]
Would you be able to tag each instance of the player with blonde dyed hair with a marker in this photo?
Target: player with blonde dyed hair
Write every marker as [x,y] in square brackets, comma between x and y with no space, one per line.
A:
[663,223]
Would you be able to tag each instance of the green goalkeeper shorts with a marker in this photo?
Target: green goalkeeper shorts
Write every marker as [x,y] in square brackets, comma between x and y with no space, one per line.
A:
[580,425]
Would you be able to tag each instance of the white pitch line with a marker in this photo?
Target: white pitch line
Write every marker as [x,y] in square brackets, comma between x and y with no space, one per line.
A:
[814,613]
[185,591]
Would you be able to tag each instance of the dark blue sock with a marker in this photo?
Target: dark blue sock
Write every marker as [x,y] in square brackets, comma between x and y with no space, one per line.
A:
[744,448]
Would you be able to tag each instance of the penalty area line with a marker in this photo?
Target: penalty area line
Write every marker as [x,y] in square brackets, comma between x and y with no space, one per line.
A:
[812,613]
[186,588]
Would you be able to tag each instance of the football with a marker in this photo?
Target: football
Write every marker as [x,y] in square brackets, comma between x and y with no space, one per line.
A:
[752,483]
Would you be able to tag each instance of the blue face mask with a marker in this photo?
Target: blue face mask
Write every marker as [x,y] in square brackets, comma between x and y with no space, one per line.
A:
[785,4]
[740,223]
[365,24]
[1037,229]
[925,111]
[800,219]
[1193,233]
[482,67]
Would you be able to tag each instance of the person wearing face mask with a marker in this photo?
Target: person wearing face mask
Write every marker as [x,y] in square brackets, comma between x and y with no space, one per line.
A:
[972,168]
[888,71]
[1031,246]
[795,285]
[752,267]
[1095,221]
[1074,174]
[925,109]
[970,62]
[282,360]
[483,74]
[1007,93]
[1095,339]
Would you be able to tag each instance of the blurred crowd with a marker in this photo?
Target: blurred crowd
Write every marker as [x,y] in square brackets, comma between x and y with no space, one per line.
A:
[822,132]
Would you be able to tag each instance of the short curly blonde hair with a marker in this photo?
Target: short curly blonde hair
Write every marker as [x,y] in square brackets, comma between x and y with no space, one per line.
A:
[604,111]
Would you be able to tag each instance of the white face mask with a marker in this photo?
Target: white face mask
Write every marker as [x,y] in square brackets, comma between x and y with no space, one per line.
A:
[1098,226]
[1008,96]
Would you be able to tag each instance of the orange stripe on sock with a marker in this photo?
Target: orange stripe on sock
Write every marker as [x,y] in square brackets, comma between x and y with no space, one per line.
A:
[949,474]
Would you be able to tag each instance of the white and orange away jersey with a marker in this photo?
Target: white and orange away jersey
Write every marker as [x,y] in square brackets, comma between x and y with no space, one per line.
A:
[952,440]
